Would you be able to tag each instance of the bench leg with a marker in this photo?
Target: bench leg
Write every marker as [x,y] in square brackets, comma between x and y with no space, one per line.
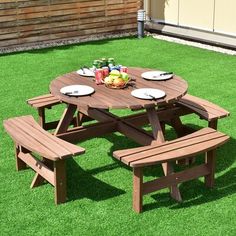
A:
[41,113]
[60,181]
[210,161]
[213,124]
[137,189]
[20,165]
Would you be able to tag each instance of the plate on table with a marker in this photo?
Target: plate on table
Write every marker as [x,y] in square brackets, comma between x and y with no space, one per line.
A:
[77,90]
[157,75]
[86,72]
[148,93]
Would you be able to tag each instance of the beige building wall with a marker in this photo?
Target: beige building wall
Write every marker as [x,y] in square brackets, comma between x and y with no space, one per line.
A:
[210,15]
[165,11]
[225,16]
[196,13]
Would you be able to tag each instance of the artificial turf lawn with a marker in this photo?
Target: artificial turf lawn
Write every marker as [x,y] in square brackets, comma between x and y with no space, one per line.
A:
[99,188]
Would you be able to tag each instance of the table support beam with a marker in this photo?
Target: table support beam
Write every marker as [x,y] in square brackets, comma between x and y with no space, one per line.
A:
[66,119]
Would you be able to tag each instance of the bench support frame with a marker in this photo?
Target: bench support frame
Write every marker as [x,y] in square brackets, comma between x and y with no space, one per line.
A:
[54,172]
[140,188]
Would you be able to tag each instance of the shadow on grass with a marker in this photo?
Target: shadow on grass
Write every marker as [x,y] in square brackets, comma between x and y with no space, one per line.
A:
[81,184]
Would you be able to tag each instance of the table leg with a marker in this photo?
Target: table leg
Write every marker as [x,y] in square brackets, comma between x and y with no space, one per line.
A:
[66,119]
[159,137]
[156,125]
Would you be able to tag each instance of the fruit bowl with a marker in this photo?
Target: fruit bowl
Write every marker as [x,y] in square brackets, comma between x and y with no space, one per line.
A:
[116,80]
[112,86]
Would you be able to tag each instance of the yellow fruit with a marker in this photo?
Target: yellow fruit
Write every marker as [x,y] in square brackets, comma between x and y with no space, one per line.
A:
[115,73]
[118,82]
[108,80]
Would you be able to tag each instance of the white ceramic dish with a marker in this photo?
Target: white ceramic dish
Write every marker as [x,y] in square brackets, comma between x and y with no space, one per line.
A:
[156,75]
[77,90]
[86,72]
[148,93]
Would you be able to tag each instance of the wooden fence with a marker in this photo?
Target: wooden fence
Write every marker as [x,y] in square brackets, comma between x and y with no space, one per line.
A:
[30,22]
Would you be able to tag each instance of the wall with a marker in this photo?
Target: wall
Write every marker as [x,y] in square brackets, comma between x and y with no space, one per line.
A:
[30,22]
[212,15]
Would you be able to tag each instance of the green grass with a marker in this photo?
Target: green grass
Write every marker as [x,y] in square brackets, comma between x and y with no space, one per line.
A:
[99,188]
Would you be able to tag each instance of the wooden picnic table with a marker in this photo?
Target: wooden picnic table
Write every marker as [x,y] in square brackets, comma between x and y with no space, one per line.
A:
[97,106]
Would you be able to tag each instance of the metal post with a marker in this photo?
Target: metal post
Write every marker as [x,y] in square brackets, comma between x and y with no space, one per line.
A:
[141,20]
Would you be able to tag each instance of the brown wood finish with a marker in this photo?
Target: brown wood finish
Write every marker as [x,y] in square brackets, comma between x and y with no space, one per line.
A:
[138,191]
[41,103]
[20,165]
[60,181]
[30,22]
[193,144]
[205,109]
[66,119]
[106,98]
[38,166]
[31,138]
[98,104]
[27,133]
[205,140]
[210,160]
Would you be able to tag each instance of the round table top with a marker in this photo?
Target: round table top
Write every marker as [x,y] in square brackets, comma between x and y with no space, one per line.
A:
[105,98]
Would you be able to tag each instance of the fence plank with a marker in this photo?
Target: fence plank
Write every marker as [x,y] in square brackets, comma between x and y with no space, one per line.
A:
[29,21]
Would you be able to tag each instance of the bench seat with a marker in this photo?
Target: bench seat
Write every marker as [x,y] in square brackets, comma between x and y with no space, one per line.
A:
[41,103]
[31,139]
[205,109]
[205,140]
[47,101]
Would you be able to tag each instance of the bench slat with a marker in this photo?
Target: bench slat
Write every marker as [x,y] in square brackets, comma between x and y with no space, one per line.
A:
[26,132]
[175,146]
[22,139]
[41,97]
[204,108]
[44,139]
[43,101]
[126,152]
[68,147]
[181,153]
[203,140]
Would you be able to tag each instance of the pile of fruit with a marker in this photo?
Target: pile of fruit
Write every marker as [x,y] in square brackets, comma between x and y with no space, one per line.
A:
[116,79]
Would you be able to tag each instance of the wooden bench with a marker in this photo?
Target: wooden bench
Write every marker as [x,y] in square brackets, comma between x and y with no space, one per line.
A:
[41,103]
[31,139]
[205,109]
[205,140]
[47,101]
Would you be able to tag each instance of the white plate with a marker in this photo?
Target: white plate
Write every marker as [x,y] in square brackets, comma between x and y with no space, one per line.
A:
[148,93]
[155,75]
[77,90]
[86,72]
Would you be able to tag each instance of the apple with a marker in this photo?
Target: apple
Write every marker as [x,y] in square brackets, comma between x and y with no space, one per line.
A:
[124,76]
[118,82]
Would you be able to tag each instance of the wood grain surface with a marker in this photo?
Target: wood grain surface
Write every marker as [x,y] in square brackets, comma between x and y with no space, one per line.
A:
[106,98]
[25,22]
